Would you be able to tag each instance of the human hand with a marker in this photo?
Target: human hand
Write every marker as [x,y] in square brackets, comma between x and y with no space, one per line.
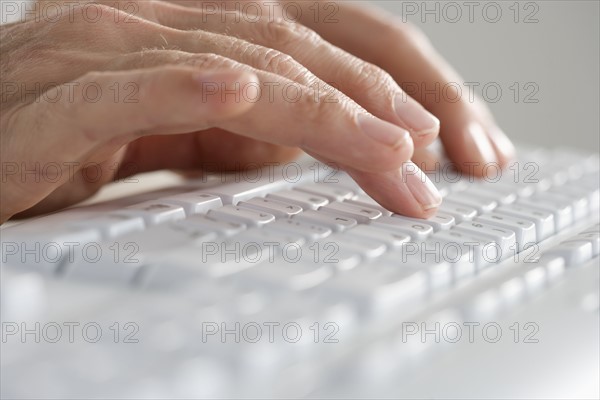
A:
[171,67]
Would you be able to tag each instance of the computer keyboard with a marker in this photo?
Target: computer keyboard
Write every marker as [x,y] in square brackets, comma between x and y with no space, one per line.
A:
[278,287]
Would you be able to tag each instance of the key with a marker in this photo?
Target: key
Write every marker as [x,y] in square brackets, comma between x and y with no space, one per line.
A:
[481,204]
[373,290]
[245,216]
[535,279]
[544,220]
[288,275]
[360,213]
[311,232]
[277,208]
[502,195]
[194,202]
[445,187]
[568,197]
[41,252]
[512,291]
[365,201]
[477,249]
[213,259]
[329,191]
[332,253]
[120,260]
[391,239]
[563,213]
[111,225]
[307,201]
[524,229]
[221,227]
[505,238]
[459,212]
[574,252]
[592,237]
[243,191]
[439,222]
[367,248]
[417,230]
[438,271]
[153,212]
[336,223]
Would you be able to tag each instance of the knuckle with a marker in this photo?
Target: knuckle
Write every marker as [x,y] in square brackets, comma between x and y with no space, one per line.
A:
[373,78]
[276,61]
[210,61]
[283,33]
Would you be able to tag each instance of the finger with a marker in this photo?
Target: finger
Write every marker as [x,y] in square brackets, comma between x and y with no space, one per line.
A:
[407,190]
[425,159]
[87,124]
[287,113]
[367,84]
[396,47]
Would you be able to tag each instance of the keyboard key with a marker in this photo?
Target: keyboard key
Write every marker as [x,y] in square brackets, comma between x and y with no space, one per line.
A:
[500,194]
[476,249]
[505,238]
[373,290]
[360,213]
[120,260]
[154,212]
[277,208]
[439,222]
[366,201]
[44,252]
[242,215]
[562,211]
[524,229]
[574,252]
[391,239]
[329,191]
[221,227]
[298,275]
[459,212]
[194,202]
[417,230]
[578,200]
[311,232]
[307,201]
[336,223]
[481,204]
[592,237]
[367,248]
[439,272]
[111,225]
[544,220]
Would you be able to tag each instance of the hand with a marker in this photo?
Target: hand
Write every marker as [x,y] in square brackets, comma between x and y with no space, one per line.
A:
[469,133]
[171,68]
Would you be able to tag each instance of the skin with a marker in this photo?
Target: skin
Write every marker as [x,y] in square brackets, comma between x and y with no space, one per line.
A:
[173,51]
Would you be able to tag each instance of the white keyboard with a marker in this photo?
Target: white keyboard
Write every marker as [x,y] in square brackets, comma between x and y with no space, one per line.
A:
[286,287]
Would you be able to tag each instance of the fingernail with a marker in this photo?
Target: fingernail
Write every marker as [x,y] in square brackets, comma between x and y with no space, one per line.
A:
[382,131]
[420,121]
[422,189]
[479,143]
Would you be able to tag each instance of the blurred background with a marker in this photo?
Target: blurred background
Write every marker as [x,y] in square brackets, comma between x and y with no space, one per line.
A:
[549,50]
